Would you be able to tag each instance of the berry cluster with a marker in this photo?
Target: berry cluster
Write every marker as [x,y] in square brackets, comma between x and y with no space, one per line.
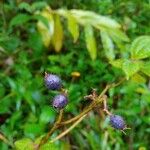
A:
[53,82]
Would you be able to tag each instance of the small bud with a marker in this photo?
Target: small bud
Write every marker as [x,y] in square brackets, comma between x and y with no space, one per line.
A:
[117,122]
[60,101]
[52,82]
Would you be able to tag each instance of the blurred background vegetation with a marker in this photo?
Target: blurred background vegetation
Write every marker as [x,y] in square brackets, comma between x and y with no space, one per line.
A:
[25,103]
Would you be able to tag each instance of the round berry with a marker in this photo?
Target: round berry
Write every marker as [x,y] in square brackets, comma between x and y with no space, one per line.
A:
[117,122]
[52,82]
[60,101]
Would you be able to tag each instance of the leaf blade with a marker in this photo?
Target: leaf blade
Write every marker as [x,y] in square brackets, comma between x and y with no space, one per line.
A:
[107,45]
[57,38]
[19,19]
[90,41]
[24,144]
[88,17]
[140,47]
[46,32]
[130,68]
[146,68]
[117,34]
[73,27]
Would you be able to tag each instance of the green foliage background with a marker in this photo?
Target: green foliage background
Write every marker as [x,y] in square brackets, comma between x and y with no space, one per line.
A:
[25,103]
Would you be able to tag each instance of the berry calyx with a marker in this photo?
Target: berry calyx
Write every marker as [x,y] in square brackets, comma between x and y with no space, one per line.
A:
[60,101]
[52,82]
[117,122]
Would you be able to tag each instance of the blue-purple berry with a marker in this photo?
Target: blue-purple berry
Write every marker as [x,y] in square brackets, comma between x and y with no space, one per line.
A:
[117,122]
[52,82]
[60,101]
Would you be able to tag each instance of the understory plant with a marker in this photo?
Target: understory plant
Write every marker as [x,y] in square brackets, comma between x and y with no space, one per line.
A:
[117,49]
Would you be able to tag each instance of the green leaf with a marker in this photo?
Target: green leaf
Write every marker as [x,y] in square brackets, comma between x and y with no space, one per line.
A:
[65,145]
[130,67]
[118,35]
[73,27]
[146,68]
[108,45]
[117,63]
[46,32]
[38,140]
[33,129]
[42,19]
[24,144]
[49,146]
[143,90]
[38,5]
[57,38]
[20,19]
[14,118]
[25,6]
[92,138]
[5,104]
[91,18]
[35,42]
[11,44]
[47,115]
[88,17]
[140,47]
[90,41]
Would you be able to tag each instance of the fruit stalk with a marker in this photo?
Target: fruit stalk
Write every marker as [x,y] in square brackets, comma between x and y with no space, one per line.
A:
[55,126]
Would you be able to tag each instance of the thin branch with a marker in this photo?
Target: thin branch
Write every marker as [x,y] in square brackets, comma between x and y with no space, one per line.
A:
[69,129]
[56,125]
[118,83]
[89,108]
[78,116]
[101,98]
[105,109]
[5,140]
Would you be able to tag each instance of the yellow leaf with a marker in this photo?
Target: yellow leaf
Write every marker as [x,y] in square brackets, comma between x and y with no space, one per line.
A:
[90,41]
[117,63]
[46,32]
[138,78]
[73,27]
[57,38]
[142,90]
[142,148]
